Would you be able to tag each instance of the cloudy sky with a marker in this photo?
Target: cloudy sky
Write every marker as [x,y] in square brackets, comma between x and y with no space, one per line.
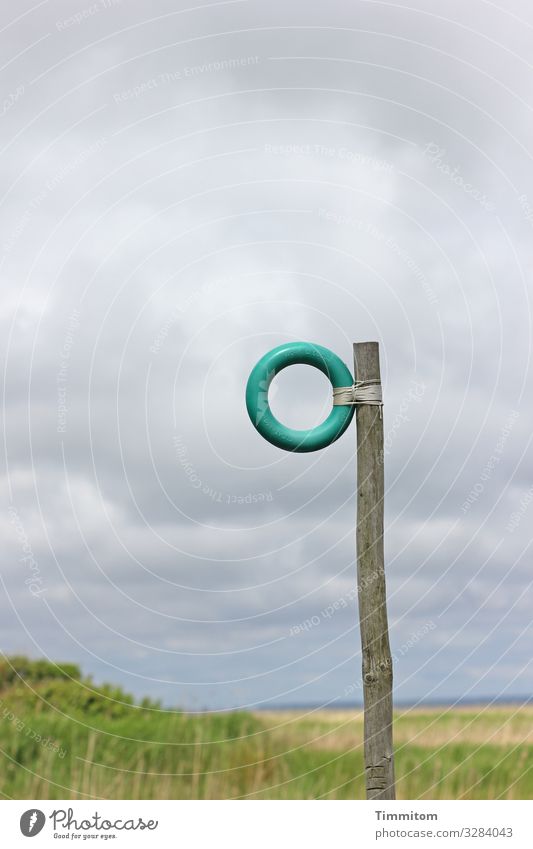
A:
[187,185]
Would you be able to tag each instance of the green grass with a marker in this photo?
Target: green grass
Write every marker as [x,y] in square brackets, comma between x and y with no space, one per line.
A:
[61,737]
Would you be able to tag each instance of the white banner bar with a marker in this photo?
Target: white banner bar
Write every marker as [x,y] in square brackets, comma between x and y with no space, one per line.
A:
[267,825]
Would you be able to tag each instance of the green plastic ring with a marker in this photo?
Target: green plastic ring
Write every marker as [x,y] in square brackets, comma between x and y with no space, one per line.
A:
[293,353]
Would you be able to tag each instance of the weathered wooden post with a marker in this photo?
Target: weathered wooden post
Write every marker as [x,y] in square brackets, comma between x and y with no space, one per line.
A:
[377,660]
[363,395]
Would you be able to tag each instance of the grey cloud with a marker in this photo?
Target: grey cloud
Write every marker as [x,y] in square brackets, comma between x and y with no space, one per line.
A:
[197,187]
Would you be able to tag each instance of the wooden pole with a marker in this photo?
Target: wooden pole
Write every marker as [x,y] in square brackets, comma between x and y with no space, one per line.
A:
[377,660]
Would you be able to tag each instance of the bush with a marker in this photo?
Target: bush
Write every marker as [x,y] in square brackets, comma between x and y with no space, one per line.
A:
[17,667]
[34,685]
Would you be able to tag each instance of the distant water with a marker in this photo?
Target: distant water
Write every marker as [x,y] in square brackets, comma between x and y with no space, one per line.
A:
[430,703]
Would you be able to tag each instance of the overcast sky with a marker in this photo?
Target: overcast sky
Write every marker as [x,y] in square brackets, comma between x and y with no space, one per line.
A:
[182,190]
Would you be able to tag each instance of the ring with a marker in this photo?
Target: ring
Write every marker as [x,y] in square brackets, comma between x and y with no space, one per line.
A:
[262,418]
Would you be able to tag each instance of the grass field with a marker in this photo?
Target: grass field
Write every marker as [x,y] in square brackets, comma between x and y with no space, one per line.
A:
[63,738]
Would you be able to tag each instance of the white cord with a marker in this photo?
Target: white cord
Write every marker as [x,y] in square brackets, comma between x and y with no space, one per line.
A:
[361,392]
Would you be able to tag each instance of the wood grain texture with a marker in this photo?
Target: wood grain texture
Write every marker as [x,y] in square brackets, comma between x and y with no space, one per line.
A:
[377,660]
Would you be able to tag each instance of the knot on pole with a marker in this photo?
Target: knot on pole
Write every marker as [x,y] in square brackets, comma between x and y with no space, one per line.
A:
[377,669]
[360,392]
